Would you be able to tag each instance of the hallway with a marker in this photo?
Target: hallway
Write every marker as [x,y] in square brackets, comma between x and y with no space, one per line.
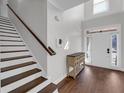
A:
[95,80]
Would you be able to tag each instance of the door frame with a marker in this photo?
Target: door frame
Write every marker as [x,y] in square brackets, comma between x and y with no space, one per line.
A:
[114,26]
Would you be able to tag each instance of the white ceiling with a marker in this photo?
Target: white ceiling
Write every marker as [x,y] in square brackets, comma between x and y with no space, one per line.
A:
[66,4]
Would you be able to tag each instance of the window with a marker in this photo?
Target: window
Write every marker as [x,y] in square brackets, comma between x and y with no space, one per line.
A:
[100,6]
[114,50]
[66,46]
[88,50]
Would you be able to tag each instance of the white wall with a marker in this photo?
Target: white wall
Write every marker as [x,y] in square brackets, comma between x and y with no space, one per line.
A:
[69,29]
[34,14]
[3,8]
[0,7]
[114,7]
[43,23]
[66,4]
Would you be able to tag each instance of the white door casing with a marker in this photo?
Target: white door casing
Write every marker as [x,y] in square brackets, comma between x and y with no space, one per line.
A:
[100,42]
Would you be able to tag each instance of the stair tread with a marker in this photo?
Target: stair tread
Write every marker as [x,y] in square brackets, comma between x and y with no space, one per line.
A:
[49,89]
[14,58]
[17,66]
[9,36]
[12,45]
[5,18]
[29,86]
[12,40]
[15,78]
[8,32]
[6,23]
[14,51]
[13,29]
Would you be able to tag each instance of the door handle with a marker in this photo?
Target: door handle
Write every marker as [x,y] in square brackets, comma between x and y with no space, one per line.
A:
[108,50]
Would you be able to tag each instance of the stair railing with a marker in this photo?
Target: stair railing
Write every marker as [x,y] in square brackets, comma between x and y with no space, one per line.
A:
[49,50]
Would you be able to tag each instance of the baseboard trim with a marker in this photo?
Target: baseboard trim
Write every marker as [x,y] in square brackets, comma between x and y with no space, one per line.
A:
[115,69]
[60,79]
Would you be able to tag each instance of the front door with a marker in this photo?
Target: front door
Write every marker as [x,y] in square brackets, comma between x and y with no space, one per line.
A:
[101,49]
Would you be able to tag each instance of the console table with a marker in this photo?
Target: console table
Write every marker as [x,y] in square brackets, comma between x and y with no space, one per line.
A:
[75,63]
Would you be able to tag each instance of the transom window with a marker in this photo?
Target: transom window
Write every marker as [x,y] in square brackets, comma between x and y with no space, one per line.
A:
[100,6]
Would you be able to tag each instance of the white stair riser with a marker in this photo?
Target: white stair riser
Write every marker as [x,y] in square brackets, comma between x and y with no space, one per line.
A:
[17,71]
[11,43]
[12,48]
[15,62]
[16,54]
[19,83]
[8,34]
[39,87]
[9,38]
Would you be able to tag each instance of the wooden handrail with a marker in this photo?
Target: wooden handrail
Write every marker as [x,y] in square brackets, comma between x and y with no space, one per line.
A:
[54,53]
[49,49]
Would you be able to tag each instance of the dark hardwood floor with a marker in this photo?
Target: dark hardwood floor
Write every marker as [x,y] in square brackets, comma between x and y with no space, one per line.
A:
[94,80]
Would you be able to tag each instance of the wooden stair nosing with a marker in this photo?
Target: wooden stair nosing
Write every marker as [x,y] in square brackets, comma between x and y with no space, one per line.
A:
[15,78]
[8,32]
[17,66]
[29,86]
[9,36]
[7,29]
[49,89]
[12,45]
[14,51]
[15,58]
[12,40]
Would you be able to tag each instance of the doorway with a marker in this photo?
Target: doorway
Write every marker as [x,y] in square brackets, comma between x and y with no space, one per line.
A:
[103,47]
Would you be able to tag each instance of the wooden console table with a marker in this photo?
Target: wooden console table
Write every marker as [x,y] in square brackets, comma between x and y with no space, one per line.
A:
[75,63]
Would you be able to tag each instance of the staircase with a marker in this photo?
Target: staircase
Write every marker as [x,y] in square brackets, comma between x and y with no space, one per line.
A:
[19,71]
